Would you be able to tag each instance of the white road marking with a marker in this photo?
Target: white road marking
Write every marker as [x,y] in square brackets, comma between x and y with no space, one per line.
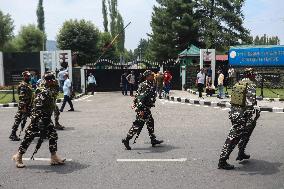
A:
[216,107]
[42,159]
[197,105]
[152,160]
[224,109]
[279,112]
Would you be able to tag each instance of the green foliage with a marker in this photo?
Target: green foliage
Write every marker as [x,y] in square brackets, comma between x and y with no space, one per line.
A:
[40,16]
[80,36]
[104,11]
[29,39]
[6,29]
[121,39]
[112,4]
[266,40]
[104,46]
[143,50]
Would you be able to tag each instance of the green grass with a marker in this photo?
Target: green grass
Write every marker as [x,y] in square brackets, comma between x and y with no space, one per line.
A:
[267,93]
[7,98]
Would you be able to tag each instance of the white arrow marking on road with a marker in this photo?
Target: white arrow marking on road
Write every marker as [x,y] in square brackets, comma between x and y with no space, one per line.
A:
[152,160]
[42,159]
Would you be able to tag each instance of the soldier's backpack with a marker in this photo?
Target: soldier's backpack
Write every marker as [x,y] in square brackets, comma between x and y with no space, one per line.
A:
[238,96]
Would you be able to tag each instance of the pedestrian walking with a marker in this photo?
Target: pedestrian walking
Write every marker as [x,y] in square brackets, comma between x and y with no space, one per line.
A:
[167,81]
[124,83]
[243,108]
[25,105]
[92,83]
[41,124]
[67,89]
[61,74]
[143,102]
[220,84]
[131,81]
[159,83]
[200,79]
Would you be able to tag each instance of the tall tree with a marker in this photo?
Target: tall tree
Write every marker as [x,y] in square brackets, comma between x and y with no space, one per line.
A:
[266,40]
[40,16]
[6,29]
[173,28]
[221,23]
[80,36]
[112,4]
[105,14]
[121,40]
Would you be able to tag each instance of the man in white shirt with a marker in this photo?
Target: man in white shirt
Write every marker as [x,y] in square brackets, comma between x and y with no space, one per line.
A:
[92,83]
[200,81]
[67,93]
[61,77]
[131,80]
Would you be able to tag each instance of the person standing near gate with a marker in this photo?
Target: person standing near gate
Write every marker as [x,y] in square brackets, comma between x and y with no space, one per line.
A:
[159,83]
[131,80]
[220,84]
[143,102]
[92,83]
[67,87]
[124,83]
[61,78]
[167,81]
[200,79]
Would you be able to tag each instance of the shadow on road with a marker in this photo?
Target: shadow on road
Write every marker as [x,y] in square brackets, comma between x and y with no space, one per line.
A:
[157,149]
[259,167]
[69,167]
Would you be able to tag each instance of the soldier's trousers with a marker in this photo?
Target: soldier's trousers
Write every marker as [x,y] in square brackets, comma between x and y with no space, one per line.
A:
[241,130]
[18,119]
[32,131]
[56,114]
[139,123]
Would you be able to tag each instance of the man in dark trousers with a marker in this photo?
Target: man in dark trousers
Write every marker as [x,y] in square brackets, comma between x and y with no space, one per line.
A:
[143,102]
[67,93]
[25,104]
[243,115]
[41,123]
[124,83]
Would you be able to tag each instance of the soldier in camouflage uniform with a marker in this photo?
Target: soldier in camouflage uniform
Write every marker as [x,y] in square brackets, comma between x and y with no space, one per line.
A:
[41,123]
[243,123]
[143,101]
[56,112]
[25,104]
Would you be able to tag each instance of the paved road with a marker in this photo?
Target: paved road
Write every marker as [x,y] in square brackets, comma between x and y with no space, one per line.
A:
[93,141]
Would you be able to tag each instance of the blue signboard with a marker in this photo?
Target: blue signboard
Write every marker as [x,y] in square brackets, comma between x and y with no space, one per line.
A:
[258,56]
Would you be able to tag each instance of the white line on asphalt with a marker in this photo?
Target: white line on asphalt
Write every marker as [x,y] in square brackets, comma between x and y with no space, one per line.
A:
[189,104]
[197,105]
[279,112]
[216,107]
[206,106]
[226,109]
[42,159]
[152,160]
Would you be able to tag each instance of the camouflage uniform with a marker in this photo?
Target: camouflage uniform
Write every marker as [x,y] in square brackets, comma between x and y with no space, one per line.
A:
[243,125]
[41,120]
[24,107]
[144,99]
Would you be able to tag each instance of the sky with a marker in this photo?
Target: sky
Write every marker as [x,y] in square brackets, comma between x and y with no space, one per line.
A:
[261,16]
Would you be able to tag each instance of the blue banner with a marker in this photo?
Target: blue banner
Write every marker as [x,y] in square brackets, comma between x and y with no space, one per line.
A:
[257,56]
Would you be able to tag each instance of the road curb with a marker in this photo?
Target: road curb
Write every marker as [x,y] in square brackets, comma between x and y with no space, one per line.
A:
[57,101]
[217,104]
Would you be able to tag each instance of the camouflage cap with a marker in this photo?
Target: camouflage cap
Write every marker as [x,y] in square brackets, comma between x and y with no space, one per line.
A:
[26,73]
[147,73]
[48,76]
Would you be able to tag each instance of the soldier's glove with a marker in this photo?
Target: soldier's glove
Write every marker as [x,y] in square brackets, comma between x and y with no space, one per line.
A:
[141,113]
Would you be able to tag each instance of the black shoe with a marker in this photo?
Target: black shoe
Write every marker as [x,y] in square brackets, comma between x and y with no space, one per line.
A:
[242,156]
[14,137]
[61,110]
[71,110]
[155,142]
[224,165]
[59,127]
[126,144]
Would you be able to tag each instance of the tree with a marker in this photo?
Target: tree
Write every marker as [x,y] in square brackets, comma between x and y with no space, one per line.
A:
[266,40]
[105,47]
[6,29]
[121,40]
[105,14]
[80,36]
[221,23]
[40,16]
[112,4]
[29,39]
[173,27]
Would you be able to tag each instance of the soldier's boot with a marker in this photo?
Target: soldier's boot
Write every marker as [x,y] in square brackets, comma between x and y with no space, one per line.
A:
[14,136]
[18,159]
[126,143]
[242,155]
[58,126]
[224,165]
[55,160]
[154,142]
